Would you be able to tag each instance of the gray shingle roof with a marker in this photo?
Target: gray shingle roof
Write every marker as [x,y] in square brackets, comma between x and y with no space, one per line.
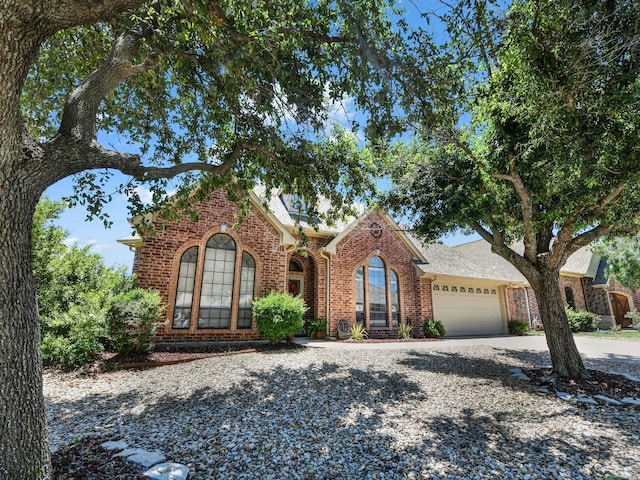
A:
[443,260]
[583,262]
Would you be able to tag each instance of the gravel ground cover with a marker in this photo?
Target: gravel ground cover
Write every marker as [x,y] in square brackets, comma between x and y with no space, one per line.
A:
[436,413]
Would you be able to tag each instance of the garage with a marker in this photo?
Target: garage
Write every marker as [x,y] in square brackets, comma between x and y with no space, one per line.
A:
[467,308]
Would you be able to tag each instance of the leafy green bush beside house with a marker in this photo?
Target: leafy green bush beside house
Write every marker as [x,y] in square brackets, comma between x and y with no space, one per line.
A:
[132,319]
[582,321]
[634,315]
[278,314]
[518,327]
[74,289]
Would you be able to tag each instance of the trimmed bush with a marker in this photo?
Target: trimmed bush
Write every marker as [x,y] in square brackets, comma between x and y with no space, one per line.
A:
[582,321]
[73,338]
[634,315]
[434,329]
[278,315]
[518,327]
[132,319]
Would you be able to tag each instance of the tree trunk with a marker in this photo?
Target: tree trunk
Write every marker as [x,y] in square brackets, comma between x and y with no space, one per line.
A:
[564,354]
[24,449]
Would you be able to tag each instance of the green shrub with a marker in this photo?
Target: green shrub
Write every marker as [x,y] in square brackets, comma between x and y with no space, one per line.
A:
[132,319]
[357,333]
[518,327]
[278,315]
[434,329]
[634,315]
[404,331]
[582,321]
[74,338]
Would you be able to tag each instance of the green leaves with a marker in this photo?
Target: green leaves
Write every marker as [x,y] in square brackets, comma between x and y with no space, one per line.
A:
[549,139]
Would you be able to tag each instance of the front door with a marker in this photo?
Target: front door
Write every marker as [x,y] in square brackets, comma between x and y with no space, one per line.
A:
[620,306]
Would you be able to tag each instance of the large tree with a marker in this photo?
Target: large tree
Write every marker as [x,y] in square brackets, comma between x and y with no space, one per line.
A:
[235,89]
[539,143]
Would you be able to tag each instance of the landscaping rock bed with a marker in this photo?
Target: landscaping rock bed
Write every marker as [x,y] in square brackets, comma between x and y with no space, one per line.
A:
[437,412]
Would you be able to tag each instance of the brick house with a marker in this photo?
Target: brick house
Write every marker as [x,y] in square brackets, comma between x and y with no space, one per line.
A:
[367,270]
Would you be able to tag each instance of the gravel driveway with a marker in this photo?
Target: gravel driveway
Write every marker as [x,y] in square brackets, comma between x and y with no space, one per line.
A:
[353,413]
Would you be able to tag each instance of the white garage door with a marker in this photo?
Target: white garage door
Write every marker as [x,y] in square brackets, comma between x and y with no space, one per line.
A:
[467,309]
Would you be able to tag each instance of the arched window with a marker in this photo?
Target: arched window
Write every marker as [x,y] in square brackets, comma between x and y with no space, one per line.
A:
[360,296]
[377,293]
[184,292]
[568,292]
[294,266]
[395,298]
[377,288]
[217,282]
[220,298]
[247,282]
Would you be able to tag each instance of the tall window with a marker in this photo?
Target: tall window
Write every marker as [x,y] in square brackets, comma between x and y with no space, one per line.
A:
[217,282]
[360,296]
[218,294]
[184,292]
[377,287]
[395,298]
[377,293]
[247,281]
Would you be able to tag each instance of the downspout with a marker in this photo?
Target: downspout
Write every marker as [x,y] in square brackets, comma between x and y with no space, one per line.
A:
[327,257]
[506,304]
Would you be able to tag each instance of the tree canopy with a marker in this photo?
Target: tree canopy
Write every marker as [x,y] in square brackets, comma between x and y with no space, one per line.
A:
[218,94]
[544,147]
[221,93]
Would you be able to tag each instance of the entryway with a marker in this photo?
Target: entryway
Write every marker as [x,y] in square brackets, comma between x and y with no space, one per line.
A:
[620,306]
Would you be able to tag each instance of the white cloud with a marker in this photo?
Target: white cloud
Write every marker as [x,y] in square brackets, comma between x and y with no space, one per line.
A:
[69,242]
[146,196]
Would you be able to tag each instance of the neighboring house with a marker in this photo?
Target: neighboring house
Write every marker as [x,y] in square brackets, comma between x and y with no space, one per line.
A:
[367,270]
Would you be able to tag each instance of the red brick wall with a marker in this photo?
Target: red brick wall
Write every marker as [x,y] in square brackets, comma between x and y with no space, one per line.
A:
[585,296]
[157,262]
[517,299]
[355,250]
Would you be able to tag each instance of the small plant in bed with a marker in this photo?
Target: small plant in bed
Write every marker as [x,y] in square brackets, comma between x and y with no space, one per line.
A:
[405,331]
[357,333]
[434,329]
[518,327]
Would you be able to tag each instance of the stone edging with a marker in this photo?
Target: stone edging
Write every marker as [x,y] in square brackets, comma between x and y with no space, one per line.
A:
[158,467]
[584,399]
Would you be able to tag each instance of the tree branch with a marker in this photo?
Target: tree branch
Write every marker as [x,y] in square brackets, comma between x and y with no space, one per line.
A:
[522,264]
[63,14]
[530,244]
[81,109]
[79,156]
